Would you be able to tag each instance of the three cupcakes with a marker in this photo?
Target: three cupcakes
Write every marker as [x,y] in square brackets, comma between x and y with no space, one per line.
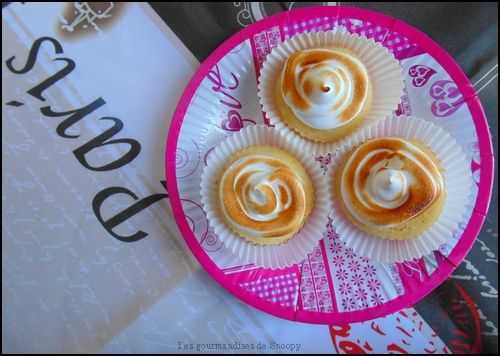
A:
[333,92]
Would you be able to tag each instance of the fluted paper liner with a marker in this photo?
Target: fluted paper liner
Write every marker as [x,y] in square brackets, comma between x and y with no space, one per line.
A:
[457,180]
[303,242]
[383,69]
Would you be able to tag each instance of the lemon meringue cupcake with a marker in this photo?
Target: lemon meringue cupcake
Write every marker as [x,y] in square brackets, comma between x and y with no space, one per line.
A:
[265,194]
[322,86]
[264,197]
[391,187]
[323,94]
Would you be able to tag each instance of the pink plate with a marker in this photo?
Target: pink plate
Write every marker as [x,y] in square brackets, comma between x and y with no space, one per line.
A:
[332,285]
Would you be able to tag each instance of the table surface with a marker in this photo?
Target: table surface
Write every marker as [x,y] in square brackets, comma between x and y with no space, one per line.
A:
[204,26]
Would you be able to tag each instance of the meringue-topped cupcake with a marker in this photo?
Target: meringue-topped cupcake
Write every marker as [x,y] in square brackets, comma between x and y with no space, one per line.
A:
[323,93]
[265,194]
[391,187]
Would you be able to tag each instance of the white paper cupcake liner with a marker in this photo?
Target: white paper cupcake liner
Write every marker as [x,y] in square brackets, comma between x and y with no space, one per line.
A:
[272,256]
[383,69]
[458,183]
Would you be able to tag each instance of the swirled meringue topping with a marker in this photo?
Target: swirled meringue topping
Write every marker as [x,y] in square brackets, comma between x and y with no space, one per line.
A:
[262,196]
[388,188]
[324,88]
[388,181]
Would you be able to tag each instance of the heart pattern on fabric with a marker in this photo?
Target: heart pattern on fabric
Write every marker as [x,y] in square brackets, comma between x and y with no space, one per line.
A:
[420,74]
[448,98]
[234,122]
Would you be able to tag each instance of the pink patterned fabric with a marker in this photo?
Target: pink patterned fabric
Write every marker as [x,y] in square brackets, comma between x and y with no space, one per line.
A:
[365,28]
[398,44]
[281,289]
[264,42]
[314,285]
[357,280]
[313,25]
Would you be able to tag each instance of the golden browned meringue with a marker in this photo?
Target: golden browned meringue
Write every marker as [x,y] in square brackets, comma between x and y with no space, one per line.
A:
[323,93]
[265,194]
[391,188]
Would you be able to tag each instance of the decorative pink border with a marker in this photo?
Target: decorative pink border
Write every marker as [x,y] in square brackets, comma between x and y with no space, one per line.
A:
[460,250]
